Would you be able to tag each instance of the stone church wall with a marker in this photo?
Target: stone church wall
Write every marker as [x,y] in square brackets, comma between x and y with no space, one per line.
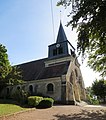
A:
[39,87]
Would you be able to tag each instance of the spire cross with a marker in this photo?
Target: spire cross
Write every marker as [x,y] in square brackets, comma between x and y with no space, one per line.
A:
[60,15]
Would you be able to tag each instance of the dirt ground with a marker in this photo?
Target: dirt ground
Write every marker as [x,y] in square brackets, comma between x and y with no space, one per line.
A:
[61,113]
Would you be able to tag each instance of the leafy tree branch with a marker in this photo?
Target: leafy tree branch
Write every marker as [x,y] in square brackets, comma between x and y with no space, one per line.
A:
[89,17]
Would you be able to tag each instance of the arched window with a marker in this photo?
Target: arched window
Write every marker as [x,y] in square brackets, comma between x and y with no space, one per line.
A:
[72,77]
[18,88]
[76,73]
[50,88]
[31,89]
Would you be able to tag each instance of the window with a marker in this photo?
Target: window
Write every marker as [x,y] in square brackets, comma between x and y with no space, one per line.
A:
[18,88]
[54,52]
[57,51]
[50,88]
[31,89]
[72,77]
[76,73]
[60,50]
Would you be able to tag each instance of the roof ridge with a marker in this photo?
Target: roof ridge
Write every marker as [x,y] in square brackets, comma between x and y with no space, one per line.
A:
[33,61]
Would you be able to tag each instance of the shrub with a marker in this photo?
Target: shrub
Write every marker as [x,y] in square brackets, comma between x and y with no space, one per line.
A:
[33,101]
[45,103]
[94,102]
[91,100]
[20,96]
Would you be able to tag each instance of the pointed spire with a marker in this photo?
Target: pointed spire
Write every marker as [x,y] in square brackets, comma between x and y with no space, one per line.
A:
[61,34]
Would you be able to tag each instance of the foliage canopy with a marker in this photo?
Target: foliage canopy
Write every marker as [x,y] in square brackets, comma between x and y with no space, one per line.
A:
[89,17]
[8,74]
[4,62]
[99,89]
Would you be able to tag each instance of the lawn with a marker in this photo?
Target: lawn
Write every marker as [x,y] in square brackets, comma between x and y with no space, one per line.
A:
[9,108]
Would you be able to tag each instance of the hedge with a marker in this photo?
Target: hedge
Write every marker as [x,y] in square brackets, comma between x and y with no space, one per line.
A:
[33,101]
[45,103]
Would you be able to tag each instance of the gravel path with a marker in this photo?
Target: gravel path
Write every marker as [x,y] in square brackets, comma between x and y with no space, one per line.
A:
[62,113]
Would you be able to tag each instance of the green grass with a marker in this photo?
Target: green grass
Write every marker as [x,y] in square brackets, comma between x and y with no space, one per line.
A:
[9,108]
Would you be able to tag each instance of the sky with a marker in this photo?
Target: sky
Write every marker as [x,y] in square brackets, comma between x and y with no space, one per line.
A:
[26,29]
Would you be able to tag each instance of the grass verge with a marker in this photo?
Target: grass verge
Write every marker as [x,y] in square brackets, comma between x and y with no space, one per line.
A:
[9,108]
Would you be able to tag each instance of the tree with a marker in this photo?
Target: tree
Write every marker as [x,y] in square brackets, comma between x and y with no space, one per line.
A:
[4,65]
[89,17]
[99,89]
[14,76]
[8,74]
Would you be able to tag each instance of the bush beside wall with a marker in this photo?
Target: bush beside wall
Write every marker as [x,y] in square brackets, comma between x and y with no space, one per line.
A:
[33,101]
[40,102]
[45,103]
[20,96]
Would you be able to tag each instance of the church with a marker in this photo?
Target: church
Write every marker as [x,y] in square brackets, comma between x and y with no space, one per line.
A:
[57,76]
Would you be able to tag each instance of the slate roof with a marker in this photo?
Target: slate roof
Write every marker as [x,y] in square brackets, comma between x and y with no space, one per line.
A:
[36,70]
[61,34]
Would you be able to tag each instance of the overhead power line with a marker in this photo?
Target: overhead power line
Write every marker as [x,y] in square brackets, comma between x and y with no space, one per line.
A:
[52,20]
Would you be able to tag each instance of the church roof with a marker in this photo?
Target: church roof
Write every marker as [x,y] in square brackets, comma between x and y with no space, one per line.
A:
[61,34]
[36,70]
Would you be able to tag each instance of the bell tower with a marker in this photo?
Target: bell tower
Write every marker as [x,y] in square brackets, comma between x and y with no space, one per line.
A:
[61,47]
